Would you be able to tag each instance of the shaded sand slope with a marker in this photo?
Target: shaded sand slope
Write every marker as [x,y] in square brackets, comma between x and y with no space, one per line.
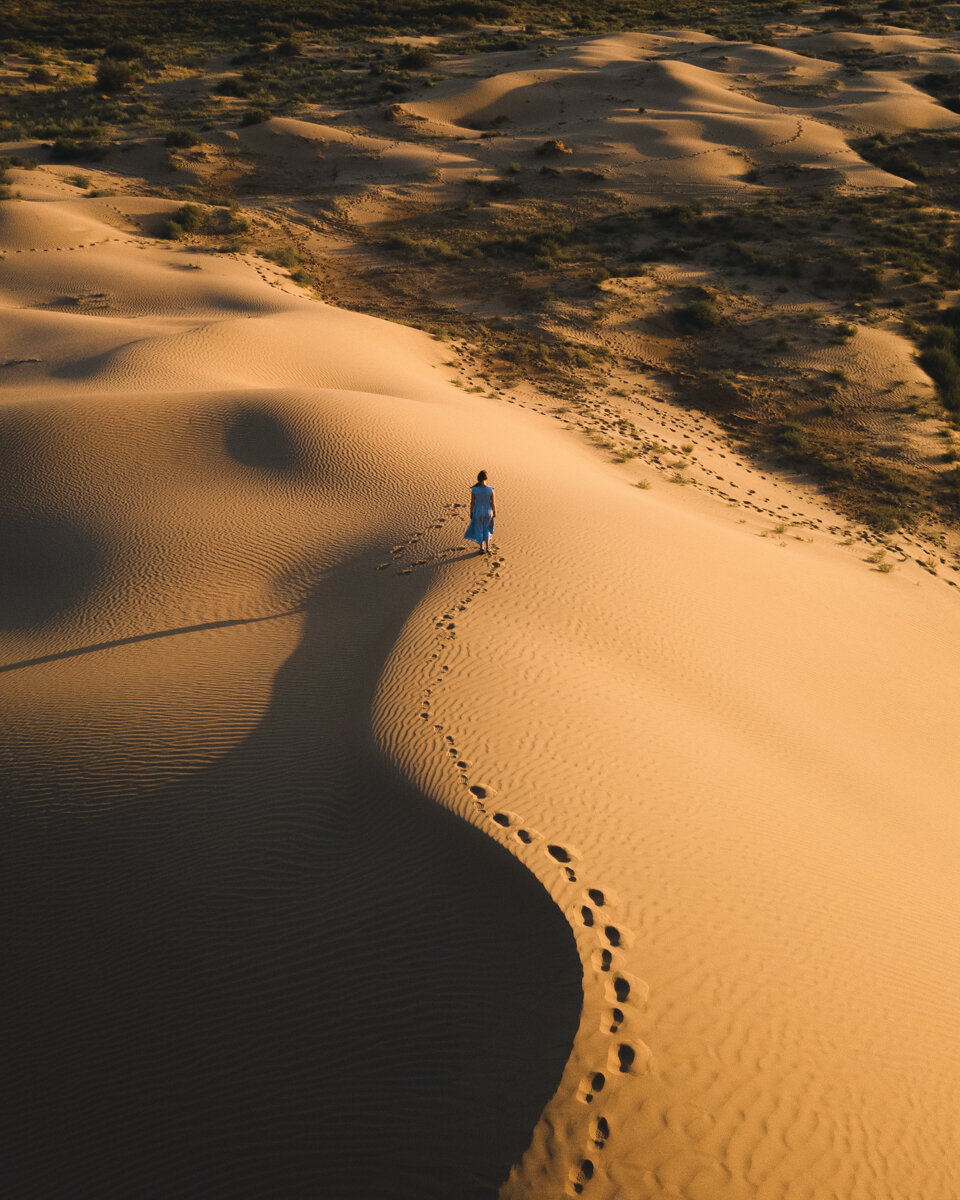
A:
[730,763]
[244,958]
[283,974]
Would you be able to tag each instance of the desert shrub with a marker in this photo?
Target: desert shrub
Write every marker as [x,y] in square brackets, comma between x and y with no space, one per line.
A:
[17,160]
[698,314]
[286,256]
[69,150]
[791,439]
[6,192]
[289,48]
[113,76]
[940,337]
[422,247]
[885,518]
[416,58]
[940,364]
[254,116]
[181,139]
[189,218]
[80,181]
[39,75]
[233,85]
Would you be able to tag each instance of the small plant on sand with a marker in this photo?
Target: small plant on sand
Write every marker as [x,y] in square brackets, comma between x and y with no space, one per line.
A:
[697,315]
[254,116]
[286,256]
[417,58]
[114,76]
[181,139]
[189,218]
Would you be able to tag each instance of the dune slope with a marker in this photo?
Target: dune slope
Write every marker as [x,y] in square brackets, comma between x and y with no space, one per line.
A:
[289,776]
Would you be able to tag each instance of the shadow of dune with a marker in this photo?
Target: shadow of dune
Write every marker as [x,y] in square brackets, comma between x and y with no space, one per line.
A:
[289,974]
[47,565]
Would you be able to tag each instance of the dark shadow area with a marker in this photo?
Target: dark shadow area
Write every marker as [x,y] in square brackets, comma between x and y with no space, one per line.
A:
[289,974]
[47,565]
[258,438]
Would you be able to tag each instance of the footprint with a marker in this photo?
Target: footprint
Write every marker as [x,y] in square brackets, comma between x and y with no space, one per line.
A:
[579,1176]
[559,853]
[525,836]
[612,934]
[612,1022]
[629,1059]
[502,819]
[590,1086]
[601,1132]
[596,896]
[621,989]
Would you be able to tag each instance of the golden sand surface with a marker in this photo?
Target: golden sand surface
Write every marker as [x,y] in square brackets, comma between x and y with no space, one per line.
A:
[620,862]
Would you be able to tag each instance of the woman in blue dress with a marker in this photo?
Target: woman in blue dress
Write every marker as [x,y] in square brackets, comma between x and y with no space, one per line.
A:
[483,509]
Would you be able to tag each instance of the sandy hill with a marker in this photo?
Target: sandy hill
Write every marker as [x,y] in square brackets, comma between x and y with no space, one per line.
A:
[619,863]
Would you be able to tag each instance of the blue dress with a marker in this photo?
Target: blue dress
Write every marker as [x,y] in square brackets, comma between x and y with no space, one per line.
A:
[480,528]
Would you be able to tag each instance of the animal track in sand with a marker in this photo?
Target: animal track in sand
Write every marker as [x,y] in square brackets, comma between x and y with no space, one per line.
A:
[623,1058]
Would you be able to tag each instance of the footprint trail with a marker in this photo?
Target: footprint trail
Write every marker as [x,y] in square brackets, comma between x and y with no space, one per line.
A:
[590,909]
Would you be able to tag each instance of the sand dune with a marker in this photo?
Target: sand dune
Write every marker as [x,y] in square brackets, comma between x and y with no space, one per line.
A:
[619,863]
[686,89]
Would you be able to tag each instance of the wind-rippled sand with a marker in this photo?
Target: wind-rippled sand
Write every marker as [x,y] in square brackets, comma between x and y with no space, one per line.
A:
[340,861]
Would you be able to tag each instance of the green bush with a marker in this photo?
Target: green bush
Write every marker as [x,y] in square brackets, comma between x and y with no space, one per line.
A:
[69,150]
[113,76]
[233,85]
[189,218]
[286,256]
[17,160]
[698,314]
[254,116]
[791,439]
[417,58]
[181,139]
[939,337]
[940,364]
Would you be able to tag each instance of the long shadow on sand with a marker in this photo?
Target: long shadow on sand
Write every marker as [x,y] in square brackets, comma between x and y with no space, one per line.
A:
[288,974]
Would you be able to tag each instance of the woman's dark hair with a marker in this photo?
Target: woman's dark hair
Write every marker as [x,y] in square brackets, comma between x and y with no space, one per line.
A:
[481,477]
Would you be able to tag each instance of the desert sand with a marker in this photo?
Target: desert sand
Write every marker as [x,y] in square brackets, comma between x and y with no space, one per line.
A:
[344,861]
